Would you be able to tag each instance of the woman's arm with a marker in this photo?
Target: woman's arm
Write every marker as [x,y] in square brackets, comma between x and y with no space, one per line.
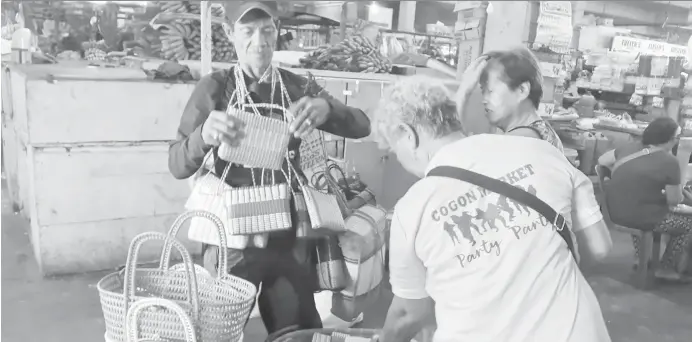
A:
[594,242]
[593,237]
[676,173]
[673,178]
[607,159]
[411,307]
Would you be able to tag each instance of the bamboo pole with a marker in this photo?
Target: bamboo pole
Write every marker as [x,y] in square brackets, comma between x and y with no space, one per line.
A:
[206,67]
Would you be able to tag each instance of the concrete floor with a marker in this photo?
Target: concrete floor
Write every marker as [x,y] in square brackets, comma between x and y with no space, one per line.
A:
[67,308]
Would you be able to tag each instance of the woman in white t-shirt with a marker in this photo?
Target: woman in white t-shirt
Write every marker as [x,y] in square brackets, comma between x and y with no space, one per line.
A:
[486,267]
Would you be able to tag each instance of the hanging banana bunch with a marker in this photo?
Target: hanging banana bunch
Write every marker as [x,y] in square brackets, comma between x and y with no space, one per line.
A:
[181,32]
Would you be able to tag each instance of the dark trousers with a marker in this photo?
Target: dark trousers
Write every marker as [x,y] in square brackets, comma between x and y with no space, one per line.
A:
[287,278]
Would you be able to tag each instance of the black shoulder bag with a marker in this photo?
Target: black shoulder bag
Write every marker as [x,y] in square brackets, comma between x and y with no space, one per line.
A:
[511,192]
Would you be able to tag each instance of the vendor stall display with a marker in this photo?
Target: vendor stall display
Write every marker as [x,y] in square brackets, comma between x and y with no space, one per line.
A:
[354,54]
[180,32]
[642,77]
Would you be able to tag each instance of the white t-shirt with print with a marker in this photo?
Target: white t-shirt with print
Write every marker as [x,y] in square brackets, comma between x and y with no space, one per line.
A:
[497,270]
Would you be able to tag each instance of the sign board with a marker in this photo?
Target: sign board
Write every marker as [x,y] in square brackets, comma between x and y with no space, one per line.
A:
[469,50]
[647,47]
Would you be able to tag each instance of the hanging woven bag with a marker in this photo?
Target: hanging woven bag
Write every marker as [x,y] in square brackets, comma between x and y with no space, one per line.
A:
[265,142]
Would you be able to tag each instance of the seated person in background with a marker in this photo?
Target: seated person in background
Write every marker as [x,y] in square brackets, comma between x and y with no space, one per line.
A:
[485,267]
[644,187]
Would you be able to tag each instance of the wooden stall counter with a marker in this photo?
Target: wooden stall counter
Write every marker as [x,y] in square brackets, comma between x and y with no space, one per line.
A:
[86,156]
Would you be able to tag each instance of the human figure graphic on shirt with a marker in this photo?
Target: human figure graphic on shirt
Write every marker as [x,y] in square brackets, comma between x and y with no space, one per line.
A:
[490,216]
[464,223]
[450,229]
[503,204]
[520,206]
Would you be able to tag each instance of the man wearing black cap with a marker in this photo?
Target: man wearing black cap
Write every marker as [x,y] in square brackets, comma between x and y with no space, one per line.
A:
[205,125]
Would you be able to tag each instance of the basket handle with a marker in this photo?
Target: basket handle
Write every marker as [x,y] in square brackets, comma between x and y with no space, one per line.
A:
[175,228]
[132,333]
[131,268]
[287,113]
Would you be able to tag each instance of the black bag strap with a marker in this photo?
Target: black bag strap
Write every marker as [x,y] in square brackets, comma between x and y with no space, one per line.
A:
[511,192]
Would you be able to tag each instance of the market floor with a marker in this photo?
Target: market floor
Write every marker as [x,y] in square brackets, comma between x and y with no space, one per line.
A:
[67,308]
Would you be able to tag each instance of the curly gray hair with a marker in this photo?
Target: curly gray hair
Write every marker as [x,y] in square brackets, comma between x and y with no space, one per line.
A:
[421,102]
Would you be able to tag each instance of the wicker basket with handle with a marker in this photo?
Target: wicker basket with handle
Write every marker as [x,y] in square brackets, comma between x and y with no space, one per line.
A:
[265,142]
[117,293]
[151,308]
[222,319]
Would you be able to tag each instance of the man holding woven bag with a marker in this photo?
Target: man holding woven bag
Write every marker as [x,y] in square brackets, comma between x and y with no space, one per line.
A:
[205,126]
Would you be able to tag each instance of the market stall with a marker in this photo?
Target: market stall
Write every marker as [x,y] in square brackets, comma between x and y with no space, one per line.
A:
[99,137]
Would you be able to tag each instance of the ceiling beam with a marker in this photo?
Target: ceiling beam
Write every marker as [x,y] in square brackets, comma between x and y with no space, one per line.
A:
[629,10]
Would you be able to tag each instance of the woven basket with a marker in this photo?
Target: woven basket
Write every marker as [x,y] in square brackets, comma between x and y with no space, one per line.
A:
[237,304]
[265,142]
[218,308]
[117,293]
[323,209]
[325,182]
[258,209]
[151,309]
[308,335]
[208,195]
[313,154]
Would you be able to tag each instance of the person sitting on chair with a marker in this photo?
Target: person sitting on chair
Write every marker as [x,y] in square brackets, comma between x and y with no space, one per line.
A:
[646,183]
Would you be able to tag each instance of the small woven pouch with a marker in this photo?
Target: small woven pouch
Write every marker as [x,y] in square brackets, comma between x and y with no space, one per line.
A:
[323,208]
[208,194]
[265,143]
[260,208]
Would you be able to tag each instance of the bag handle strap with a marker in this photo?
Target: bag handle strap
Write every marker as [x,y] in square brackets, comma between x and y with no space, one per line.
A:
[630,157]
[512,192]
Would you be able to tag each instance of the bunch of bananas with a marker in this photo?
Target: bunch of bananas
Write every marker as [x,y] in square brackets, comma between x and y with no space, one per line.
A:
[181,38]
[353,54]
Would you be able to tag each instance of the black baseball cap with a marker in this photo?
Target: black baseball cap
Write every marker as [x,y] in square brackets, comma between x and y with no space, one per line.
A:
[235,10]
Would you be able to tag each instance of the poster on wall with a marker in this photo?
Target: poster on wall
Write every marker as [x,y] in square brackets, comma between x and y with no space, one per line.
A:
[554,28]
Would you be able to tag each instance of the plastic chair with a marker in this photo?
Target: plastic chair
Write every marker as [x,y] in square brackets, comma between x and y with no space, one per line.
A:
[649,241]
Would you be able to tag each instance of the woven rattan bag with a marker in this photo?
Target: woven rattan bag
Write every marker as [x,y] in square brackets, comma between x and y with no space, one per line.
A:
[259,208]
[208,195]
[222,318]
[265,142]
[149,309]
[117,293]
[323,208]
